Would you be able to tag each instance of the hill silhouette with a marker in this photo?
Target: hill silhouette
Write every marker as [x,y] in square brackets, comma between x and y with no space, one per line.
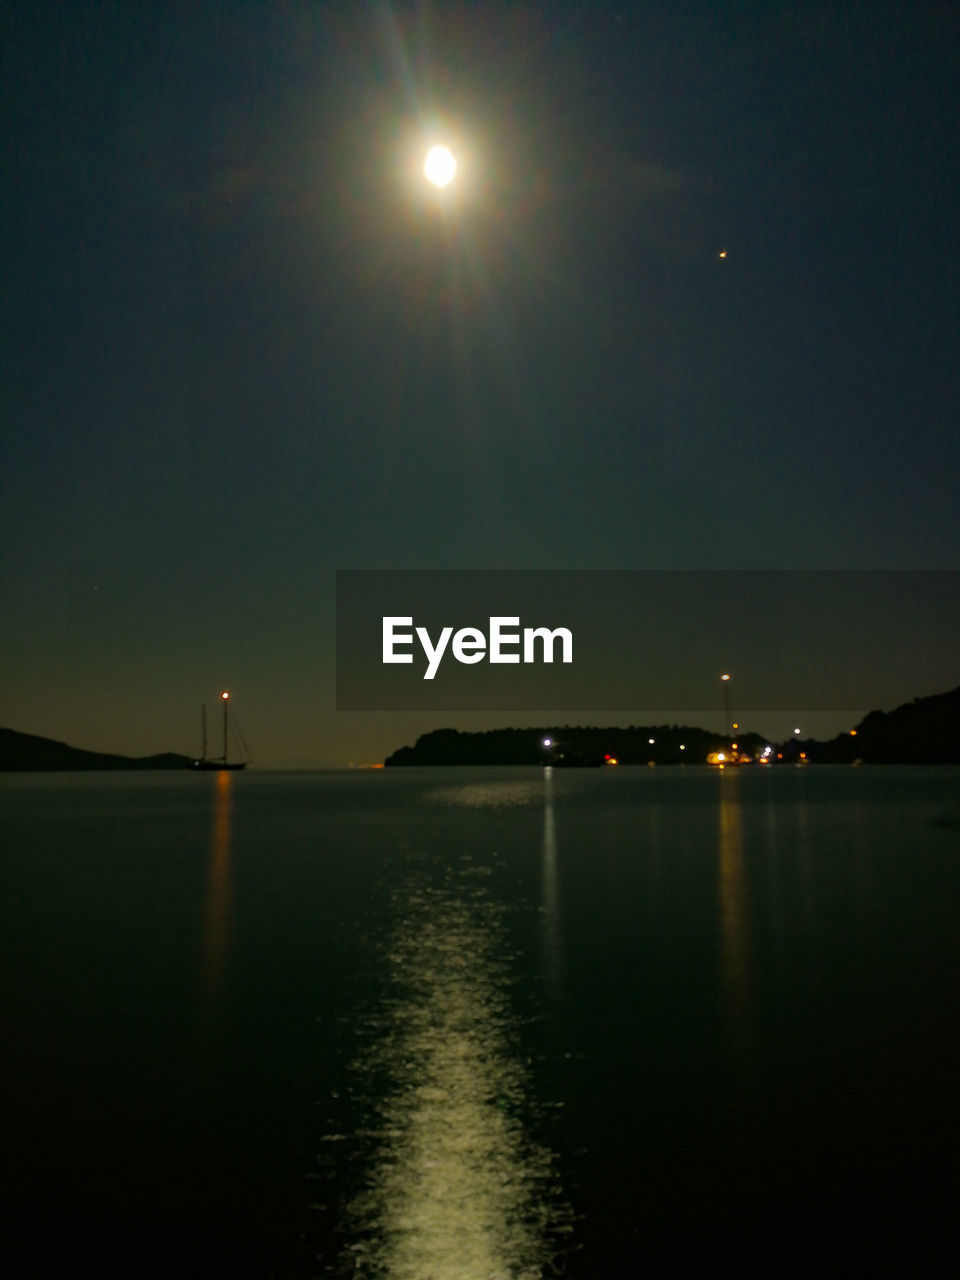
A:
[924,731]
[672,744]
[25,752]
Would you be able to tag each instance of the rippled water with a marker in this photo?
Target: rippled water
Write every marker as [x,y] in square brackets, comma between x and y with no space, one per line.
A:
[491,1024]
[457,1186]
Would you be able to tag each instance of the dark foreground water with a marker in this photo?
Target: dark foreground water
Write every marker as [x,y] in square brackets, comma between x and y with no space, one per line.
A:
[482,1024]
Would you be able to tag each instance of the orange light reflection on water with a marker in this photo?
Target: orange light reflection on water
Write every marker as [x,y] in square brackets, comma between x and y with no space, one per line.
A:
[219,887]
[736,997]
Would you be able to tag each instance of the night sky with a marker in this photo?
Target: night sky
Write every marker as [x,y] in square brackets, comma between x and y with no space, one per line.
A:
[245,344]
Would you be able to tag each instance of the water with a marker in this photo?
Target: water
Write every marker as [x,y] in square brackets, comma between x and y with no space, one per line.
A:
[481,1024]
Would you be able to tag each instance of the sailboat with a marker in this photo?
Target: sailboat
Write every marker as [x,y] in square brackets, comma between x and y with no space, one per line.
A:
[217,762]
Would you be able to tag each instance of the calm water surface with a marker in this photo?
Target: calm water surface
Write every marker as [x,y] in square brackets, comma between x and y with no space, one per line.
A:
[482,1024]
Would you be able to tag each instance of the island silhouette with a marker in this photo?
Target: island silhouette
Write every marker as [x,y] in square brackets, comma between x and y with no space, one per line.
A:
[924,731]
[25,752]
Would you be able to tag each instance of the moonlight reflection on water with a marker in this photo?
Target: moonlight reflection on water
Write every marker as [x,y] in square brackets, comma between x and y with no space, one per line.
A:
[455,1184]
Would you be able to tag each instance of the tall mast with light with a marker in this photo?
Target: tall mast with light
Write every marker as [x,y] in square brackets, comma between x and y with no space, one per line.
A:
[226,698]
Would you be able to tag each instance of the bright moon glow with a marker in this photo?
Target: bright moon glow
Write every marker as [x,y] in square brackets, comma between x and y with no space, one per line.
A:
[440,166]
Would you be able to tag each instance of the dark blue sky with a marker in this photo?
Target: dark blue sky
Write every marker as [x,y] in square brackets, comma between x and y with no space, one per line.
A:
[245,345]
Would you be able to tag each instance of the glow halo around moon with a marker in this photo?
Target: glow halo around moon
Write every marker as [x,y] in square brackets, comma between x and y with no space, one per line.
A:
[440,167]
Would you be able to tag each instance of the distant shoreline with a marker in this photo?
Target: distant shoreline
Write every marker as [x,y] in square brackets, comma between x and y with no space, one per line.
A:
[28,753]
[924,731]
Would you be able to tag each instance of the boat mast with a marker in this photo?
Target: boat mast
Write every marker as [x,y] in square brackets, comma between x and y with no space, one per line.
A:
[203,720]
[225,696]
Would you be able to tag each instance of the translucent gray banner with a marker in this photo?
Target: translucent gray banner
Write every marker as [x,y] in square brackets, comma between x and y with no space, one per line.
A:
[478,640]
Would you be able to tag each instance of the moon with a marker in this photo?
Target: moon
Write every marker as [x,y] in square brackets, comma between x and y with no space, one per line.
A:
[440,166]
